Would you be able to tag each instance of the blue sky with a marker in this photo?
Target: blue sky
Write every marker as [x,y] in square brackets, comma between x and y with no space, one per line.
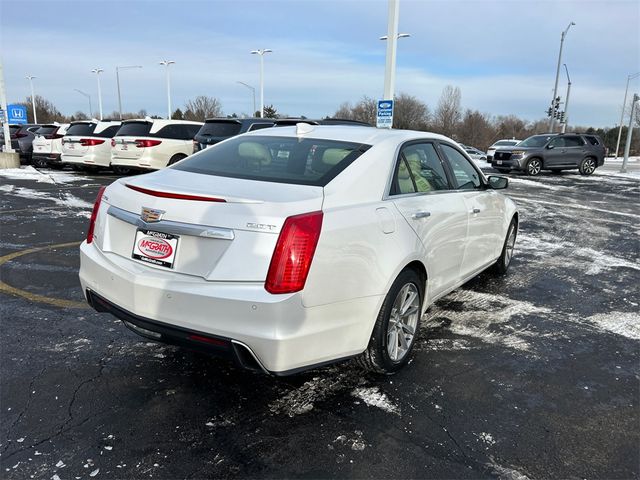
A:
[502,54]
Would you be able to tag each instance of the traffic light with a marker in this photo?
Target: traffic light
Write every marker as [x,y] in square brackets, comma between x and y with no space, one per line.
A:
[562,117]
[549,112]
[557,102]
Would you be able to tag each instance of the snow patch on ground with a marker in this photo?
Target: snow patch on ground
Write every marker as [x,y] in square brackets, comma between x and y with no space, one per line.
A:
[485,438]
[622,323]
[504,473]
[537,184]
[373,397]
[486,317]
[302,399]
[61,199]
[30,173]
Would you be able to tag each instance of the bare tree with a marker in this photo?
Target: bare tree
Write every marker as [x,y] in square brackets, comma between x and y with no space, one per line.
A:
[448,113]
[364,111]
[202,107]
[410,113]
[46,110]
[476,130]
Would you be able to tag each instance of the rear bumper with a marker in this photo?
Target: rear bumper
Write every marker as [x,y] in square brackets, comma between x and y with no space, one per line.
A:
[89,159]
[48,157]
[145,162]
[284,336]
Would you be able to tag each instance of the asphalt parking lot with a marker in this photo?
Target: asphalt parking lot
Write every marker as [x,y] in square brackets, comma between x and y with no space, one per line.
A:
[533,375]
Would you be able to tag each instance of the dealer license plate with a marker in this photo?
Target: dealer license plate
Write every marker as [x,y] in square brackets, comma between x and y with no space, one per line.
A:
[499,162]
[157,248]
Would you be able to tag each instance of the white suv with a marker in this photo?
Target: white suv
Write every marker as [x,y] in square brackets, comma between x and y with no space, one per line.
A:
[47,145]
[150,144]
[87,144]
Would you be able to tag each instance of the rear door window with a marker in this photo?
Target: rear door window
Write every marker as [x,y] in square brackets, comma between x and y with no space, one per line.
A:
[81,129]
[135,129]
[275,159]
[573,141]
[426,168]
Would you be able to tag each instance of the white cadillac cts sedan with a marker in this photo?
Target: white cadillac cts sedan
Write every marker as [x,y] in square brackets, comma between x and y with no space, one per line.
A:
[294,247]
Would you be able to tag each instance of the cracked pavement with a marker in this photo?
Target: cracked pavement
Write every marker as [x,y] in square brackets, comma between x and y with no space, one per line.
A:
[534,375]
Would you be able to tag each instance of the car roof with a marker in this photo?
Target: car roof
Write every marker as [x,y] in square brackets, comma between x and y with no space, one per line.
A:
[351,133]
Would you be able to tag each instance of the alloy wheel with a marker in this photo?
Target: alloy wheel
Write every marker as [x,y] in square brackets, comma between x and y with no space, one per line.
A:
[534,167]
[403,322]
[511,242]
[589,166]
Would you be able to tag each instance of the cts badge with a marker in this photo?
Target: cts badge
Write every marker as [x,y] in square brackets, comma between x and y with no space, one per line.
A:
[149,215]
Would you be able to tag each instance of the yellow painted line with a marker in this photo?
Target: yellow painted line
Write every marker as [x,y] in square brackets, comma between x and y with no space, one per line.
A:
[34,297]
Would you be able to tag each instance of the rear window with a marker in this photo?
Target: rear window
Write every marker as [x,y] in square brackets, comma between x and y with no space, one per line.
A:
[276,159]
[47,130]
[81,129]
[108,132]
[220,129]
[135,129]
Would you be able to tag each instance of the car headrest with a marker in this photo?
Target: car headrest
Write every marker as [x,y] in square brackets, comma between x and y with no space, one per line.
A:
[254,152]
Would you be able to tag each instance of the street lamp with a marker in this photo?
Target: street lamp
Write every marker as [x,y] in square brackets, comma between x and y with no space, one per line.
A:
[33,99]
[555,88]
[98,71]
[89,98]
[118,82]
[624,104]
[566,101]
[166,63]
[253,90]
[261,52]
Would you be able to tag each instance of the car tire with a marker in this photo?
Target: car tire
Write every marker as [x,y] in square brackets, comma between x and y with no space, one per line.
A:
[587,166]
[176,158]
[504,260]
[534,166]
[380,353]
[118,170]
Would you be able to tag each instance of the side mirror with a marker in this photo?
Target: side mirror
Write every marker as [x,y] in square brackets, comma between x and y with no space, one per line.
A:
[549,147]
[498,183]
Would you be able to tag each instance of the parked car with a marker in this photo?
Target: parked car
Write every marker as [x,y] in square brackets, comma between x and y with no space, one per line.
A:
[21,139]
[500,143]
[474,153]
[215,130]
[553,152]
[288,122]
[87,144]
[47,145]
[287,262]
[149,144]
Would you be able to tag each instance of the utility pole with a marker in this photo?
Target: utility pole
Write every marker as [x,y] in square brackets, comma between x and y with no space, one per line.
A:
[166,63]
[392,47]
[261,53]
[118,82]
[552,122]
[627,147]
[566,102]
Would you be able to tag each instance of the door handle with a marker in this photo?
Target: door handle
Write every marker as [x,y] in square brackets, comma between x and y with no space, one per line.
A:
[475,210]
[421,214]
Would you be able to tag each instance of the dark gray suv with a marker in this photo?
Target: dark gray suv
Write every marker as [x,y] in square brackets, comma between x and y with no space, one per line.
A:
[553,152]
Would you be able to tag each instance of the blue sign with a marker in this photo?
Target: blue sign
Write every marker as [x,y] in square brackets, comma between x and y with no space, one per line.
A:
[17,114]
[385,114]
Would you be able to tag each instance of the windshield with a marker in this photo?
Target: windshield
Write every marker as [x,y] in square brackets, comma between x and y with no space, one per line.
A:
[506,143]
[275,159]
[536,141]
[81,129]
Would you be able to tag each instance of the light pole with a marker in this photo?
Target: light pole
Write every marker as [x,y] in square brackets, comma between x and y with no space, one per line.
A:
[5,122]
[566,101]
[627,147]
[261,52]
[166,63]
[392,46]
[118,82]
[253,90]
[88,98]
[33,99]
[98,71]
[624,104]
[552,122]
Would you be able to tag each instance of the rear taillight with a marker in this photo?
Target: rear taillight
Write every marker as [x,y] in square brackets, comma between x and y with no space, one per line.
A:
[176,196]
[91,142]
[293,254]
[147,143]
[57,135]
[20,135]
[113,142]
[196,146]
[94,215]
